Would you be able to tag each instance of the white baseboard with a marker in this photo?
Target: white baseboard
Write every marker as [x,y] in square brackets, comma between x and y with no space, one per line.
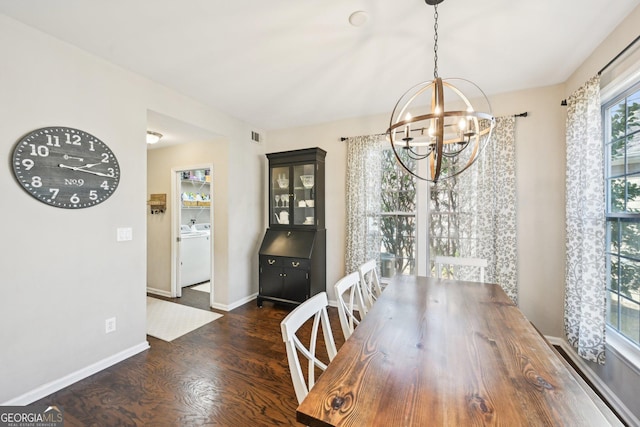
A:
[160,292]
[56,385]
[216,305]
[235,304]
[628,417]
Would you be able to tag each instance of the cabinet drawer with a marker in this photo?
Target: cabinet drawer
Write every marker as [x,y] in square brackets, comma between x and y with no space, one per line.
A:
[302,264]
[271,261]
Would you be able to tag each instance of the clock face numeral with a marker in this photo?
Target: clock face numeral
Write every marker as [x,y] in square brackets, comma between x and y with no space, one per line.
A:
[65,167]
[27,164]
[39,150]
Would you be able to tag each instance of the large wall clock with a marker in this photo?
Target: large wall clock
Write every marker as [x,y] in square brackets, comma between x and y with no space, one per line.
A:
[65,167]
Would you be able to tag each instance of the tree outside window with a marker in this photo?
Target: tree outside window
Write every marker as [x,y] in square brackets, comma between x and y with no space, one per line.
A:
[398,217]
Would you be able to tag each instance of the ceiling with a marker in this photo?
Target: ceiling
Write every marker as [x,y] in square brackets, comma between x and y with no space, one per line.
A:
[284,63]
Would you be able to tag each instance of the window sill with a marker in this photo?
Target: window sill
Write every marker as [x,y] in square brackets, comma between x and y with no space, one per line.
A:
[626,351]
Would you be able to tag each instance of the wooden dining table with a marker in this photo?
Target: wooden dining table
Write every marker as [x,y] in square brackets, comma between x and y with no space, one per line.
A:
[435,352]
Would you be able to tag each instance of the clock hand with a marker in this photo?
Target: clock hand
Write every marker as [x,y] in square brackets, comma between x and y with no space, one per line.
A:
[81,169]
[88,165]
[67,157]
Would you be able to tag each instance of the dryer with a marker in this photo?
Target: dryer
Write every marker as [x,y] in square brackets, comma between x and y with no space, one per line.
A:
[195,257]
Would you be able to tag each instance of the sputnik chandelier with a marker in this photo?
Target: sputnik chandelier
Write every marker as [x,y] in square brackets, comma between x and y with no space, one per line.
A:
[436,121]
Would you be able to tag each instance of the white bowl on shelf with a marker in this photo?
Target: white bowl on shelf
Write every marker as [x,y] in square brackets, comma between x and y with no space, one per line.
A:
[307,181]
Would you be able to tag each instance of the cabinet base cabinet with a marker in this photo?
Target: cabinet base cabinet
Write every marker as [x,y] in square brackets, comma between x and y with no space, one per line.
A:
[271,282]
[280,282]
[292,280]
[296,285]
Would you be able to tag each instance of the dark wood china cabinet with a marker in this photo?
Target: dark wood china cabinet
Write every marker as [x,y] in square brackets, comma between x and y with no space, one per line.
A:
[293,252]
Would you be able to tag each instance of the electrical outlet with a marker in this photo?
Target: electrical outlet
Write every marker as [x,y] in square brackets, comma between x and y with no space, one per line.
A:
[124,234]
[110,325]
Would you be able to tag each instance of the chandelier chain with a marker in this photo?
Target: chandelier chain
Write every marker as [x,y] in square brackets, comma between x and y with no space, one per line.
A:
[435,40]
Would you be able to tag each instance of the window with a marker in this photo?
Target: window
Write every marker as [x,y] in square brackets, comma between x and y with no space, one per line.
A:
[397,218]
[621,128]
[410,205]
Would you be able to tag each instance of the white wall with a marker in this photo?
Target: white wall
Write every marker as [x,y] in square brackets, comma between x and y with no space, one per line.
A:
[540,176]
[160,162]
[63,273]
[238,215]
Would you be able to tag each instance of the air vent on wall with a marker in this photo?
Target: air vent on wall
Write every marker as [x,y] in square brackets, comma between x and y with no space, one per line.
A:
[255,136]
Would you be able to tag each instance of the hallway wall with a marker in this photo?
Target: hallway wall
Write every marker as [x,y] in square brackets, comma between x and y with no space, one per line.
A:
[64,273]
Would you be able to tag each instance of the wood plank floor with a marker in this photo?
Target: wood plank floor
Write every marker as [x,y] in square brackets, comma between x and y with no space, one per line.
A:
[230,372]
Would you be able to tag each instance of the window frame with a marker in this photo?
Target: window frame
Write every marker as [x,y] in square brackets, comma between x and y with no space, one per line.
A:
[617,90]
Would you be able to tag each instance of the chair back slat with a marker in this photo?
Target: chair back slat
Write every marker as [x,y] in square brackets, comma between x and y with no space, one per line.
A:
[316,308]
[350,302]
[369,283]
[442,261]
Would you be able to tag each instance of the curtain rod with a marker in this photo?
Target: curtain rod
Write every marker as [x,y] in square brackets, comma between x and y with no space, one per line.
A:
[344,138]
[622,52]
[615,58]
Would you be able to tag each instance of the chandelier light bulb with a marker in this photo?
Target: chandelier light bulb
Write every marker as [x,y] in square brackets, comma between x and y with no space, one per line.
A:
[407,129]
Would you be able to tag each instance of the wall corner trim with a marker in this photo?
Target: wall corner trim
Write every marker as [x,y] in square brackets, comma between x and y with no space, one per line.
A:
[235,304]
[160,292]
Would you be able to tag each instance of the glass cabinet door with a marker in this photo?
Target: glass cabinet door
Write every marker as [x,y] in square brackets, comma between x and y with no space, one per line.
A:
[304,195]
[293,197]
[280,200]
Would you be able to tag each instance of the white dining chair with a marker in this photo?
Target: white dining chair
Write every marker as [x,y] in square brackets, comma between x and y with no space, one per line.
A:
[350,301]
[316,308]
[369,283]
[449,261]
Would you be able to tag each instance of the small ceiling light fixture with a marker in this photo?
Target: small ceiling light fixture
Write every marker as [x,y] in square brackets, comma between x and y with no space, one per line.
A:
[451,131]
[153,137]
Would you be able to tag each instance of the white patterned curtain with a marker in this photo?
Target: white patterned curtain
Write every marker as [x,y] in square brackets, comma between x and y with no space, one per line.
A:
[478,209]
[585,304]
[364,171]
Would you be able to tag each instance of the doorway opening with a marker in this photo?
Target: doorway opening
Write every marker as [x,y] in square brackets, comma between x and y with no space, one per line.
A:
[192,219]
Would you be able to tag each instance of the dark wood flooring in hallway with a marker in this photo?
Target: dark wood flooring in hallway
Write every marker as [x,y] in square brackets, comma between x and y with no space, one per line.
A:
[230,372]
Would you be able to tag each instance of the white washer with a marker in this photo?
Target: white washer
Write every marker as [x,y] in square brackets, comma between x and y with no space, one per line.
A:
[204,226]
[195,257]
